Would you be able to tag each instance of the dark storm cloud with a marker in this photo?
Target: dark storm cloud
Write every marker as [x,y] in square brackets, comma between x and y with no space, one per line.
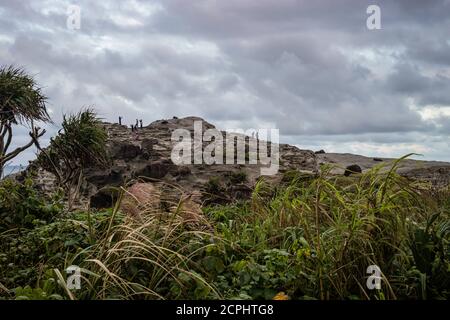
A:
[409,80]
[310,68]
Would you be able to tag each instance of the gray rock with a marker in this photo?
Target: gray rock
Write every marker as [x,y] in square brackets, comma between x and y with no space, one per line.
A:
[155,170]
[352,169]
[125,151]
[101,178]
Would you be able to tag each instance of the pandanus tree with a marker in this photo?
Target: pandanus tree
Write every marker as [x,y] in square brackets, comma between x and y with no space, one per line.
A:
[80,143]
[21,103]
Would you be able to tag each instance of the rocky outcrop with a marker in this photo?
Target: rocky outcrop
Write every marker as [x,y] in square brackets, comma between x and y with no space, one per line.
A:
[437,176]
[145,155]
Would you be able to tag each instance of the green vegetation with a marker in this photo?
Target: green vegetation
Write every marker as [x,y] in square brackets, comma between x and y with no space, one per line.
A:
[238,177]
[215,192]
[310,237]
[22,206]
[81,143]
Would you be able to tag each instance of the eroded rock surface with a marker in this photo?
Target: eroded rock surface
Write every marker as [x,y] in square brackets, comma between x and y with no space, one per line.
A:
[145,155]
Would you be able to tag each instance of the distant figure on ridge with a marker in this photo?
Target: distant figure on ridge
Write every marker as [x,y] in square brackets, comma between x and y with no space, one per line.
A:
[140,122]
[120,120]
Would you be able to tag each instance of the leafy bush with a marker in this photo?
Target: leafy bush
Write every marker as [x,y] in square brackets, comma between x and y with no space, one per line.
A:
[315,239]
[26,255]
[22,205]
[430,247]
[309,238]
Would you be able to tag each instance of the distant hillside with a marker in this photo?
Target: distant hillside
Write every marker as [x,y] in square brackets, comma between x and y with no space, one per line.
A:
[435,172]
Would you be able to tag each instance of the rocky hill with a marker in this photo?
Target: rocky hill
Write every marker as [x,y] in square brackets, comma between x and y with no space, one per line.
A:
[145,154]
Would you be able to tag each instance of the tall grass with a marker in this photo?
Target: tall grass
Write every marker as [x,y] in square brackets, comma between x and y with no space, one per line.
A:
[311,237]
[344,225]
[153,257]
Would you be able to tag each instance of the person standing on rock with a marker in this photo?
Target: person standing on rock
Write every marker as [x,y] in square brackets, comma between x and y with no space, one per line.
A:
[140,122]
[120,120]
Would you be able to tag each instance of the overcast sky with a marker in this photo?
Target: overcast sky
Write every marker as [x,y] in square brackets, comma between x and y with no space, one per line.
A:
[310,68]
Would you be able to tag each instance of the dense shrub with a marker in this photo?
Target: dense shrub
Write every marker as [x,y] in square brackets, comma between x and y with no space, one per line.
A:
[308,238]
[26,255]
[315,238]
[22,205]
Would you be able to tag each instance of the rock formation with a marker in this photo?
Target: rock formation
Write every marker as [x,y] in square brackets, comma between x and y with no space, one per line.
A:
[144,155]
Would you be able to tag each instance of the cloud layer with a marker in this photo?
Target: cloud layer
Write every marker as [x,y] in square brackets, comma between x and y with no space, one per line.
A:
[310,68]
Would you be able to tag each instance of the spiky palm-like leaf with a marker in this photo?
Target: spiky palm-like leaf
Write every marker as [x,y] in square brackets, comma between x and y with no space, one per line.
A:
[80,143]
[21,100]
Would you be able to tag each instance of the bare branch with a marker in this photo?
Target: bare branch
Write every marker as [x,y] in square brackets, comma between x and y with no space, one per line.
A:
[35,134]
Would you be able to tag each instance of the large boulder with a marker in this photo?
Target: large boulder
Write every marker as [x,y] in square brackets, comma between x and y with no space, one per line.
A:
[352,169]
